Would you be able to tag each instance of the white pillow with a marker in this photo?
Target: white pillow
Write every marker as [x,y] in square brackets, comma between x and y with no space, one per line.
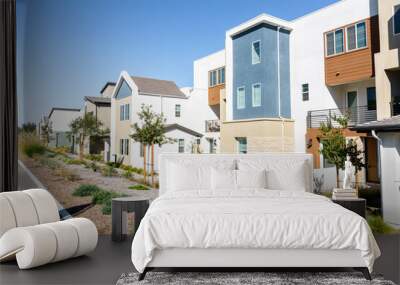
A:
[223,179]
[291,177]
[188,177]
[282,174]
[251,178]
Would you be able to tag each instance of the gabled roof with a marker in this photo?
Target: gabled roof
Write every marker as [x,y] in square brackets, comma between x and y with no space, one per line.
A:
[151,86]
[171,127]
[390,124]
[63,109]
[98,100]
[107,84]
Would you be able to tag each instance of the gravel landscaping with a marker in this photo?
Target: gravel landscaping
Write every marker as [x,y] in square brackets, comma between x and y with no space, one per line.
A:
[61,179]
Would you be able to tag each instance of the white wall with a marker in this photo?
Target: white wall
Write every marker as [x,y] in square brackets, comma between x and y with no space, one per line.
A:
[61,119]
[307,59]
[390,177]
[203,65]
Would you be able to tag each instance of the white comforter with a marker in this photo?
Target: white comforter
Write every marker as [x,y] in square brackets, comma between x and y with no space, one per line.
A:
[250,219]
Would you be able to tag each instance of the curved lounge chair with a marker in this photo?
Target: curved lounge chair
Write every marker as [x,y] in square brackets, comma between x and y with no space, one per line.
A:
[31,230]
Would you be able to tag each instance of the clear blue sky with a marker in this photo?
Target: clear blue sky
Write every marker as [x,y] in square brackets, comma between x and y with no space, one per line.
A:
[68,49]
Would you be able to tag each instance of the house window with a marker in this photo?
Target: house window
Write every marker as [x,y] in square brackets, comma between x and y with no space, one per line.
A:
[121,112]
[256,52]
[351,38]
[339,41]
[305,92]
[212,145]
[124,112]
[127,112]
[181,145]
[124,146]
[242,145]
[361,35]
[334,42]
[198,141]
[371,98]
[221,75]
[216,77]
[330,44]
[241,98]
[256,94]
[177,110]
[396,20]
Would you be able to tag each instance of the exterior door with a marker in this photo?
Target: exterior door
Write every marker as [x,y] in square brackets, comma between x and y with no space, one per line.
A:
[352,106]
[372,160]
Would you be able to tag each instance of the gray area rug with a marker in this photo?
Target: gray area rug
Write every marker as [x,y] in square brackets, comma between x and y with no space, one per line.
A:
[229,278]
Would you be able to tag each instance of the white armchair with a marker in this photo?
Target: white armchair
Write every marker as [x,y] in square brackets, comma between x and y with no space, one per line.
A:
[31,230]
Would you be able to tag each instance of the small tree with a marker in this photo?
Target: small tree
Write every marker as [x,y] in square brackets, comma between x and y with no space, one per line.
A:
[84,127]
[46,130]
[335,149]
[334,144]
[150,132]
[355,156]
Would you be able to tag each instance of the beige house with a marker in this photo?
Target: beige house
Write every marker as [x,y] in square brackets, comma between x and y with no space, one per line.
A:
[100,107]
[387,60]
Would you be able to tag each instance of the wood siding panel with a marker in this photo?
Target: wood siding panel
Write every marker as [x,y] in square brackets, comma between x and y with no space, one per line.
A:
[214,94]
[354,65]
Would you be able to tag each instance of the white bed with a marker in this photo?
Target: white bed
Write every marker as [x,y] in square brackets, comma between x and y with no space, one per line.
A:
[209,222]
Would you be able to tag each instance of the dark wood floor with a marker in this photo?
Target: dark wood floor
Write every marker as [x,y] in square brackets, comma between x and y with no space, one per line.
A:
[110,260]
[103,266]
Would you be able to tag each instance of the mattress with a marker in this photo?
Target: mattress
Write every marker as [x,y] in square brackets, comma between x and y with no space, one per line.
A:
[250,219]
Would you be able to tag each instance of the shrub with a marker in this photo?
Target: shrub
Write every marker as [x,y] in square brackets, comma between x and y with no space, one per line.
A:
[75,161]
[33,148]
[139,187]
[48,162]
[94,166]
[63,150]
[108,170]
[94,157]
[86,190]
[377,225]
[106,209]
[67,174]
[127,174]
[102,197]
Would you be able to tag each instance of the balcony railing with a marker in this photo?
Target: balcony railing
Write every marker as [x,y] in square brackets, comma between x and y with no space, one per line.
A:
[213,126]
[357,115]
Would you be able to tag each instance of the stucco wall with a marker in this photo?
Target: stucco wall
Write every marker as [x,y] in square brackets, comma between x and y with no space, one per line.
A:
[203,65]
[307,58]
[245,74]
[103,113]
[61,119]
[388,57]
[264,135]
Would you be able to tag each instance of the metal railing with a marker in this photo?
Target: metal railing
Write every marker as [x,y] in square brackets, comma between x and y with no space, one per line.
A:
[356,115]
[213,126]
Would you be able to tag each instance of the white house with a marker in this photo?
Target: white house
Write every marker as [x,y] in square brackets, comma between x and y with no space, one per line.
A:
[186,112]
[59,119]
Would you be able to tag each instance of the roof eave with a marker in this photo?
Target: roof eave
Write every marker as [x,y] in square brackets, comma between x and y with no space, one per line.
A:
[260,19]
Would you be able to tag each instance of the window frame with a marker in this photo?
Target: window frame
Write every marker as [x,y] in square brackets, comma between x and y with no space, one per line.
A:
[253,51]
[252,94]
[305,92]
[343,41]
[394,22]
[127,111]
[218,74]
[355,25]
[181,146]
[239,141]
[122,112]
[244,97]
[178,111]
